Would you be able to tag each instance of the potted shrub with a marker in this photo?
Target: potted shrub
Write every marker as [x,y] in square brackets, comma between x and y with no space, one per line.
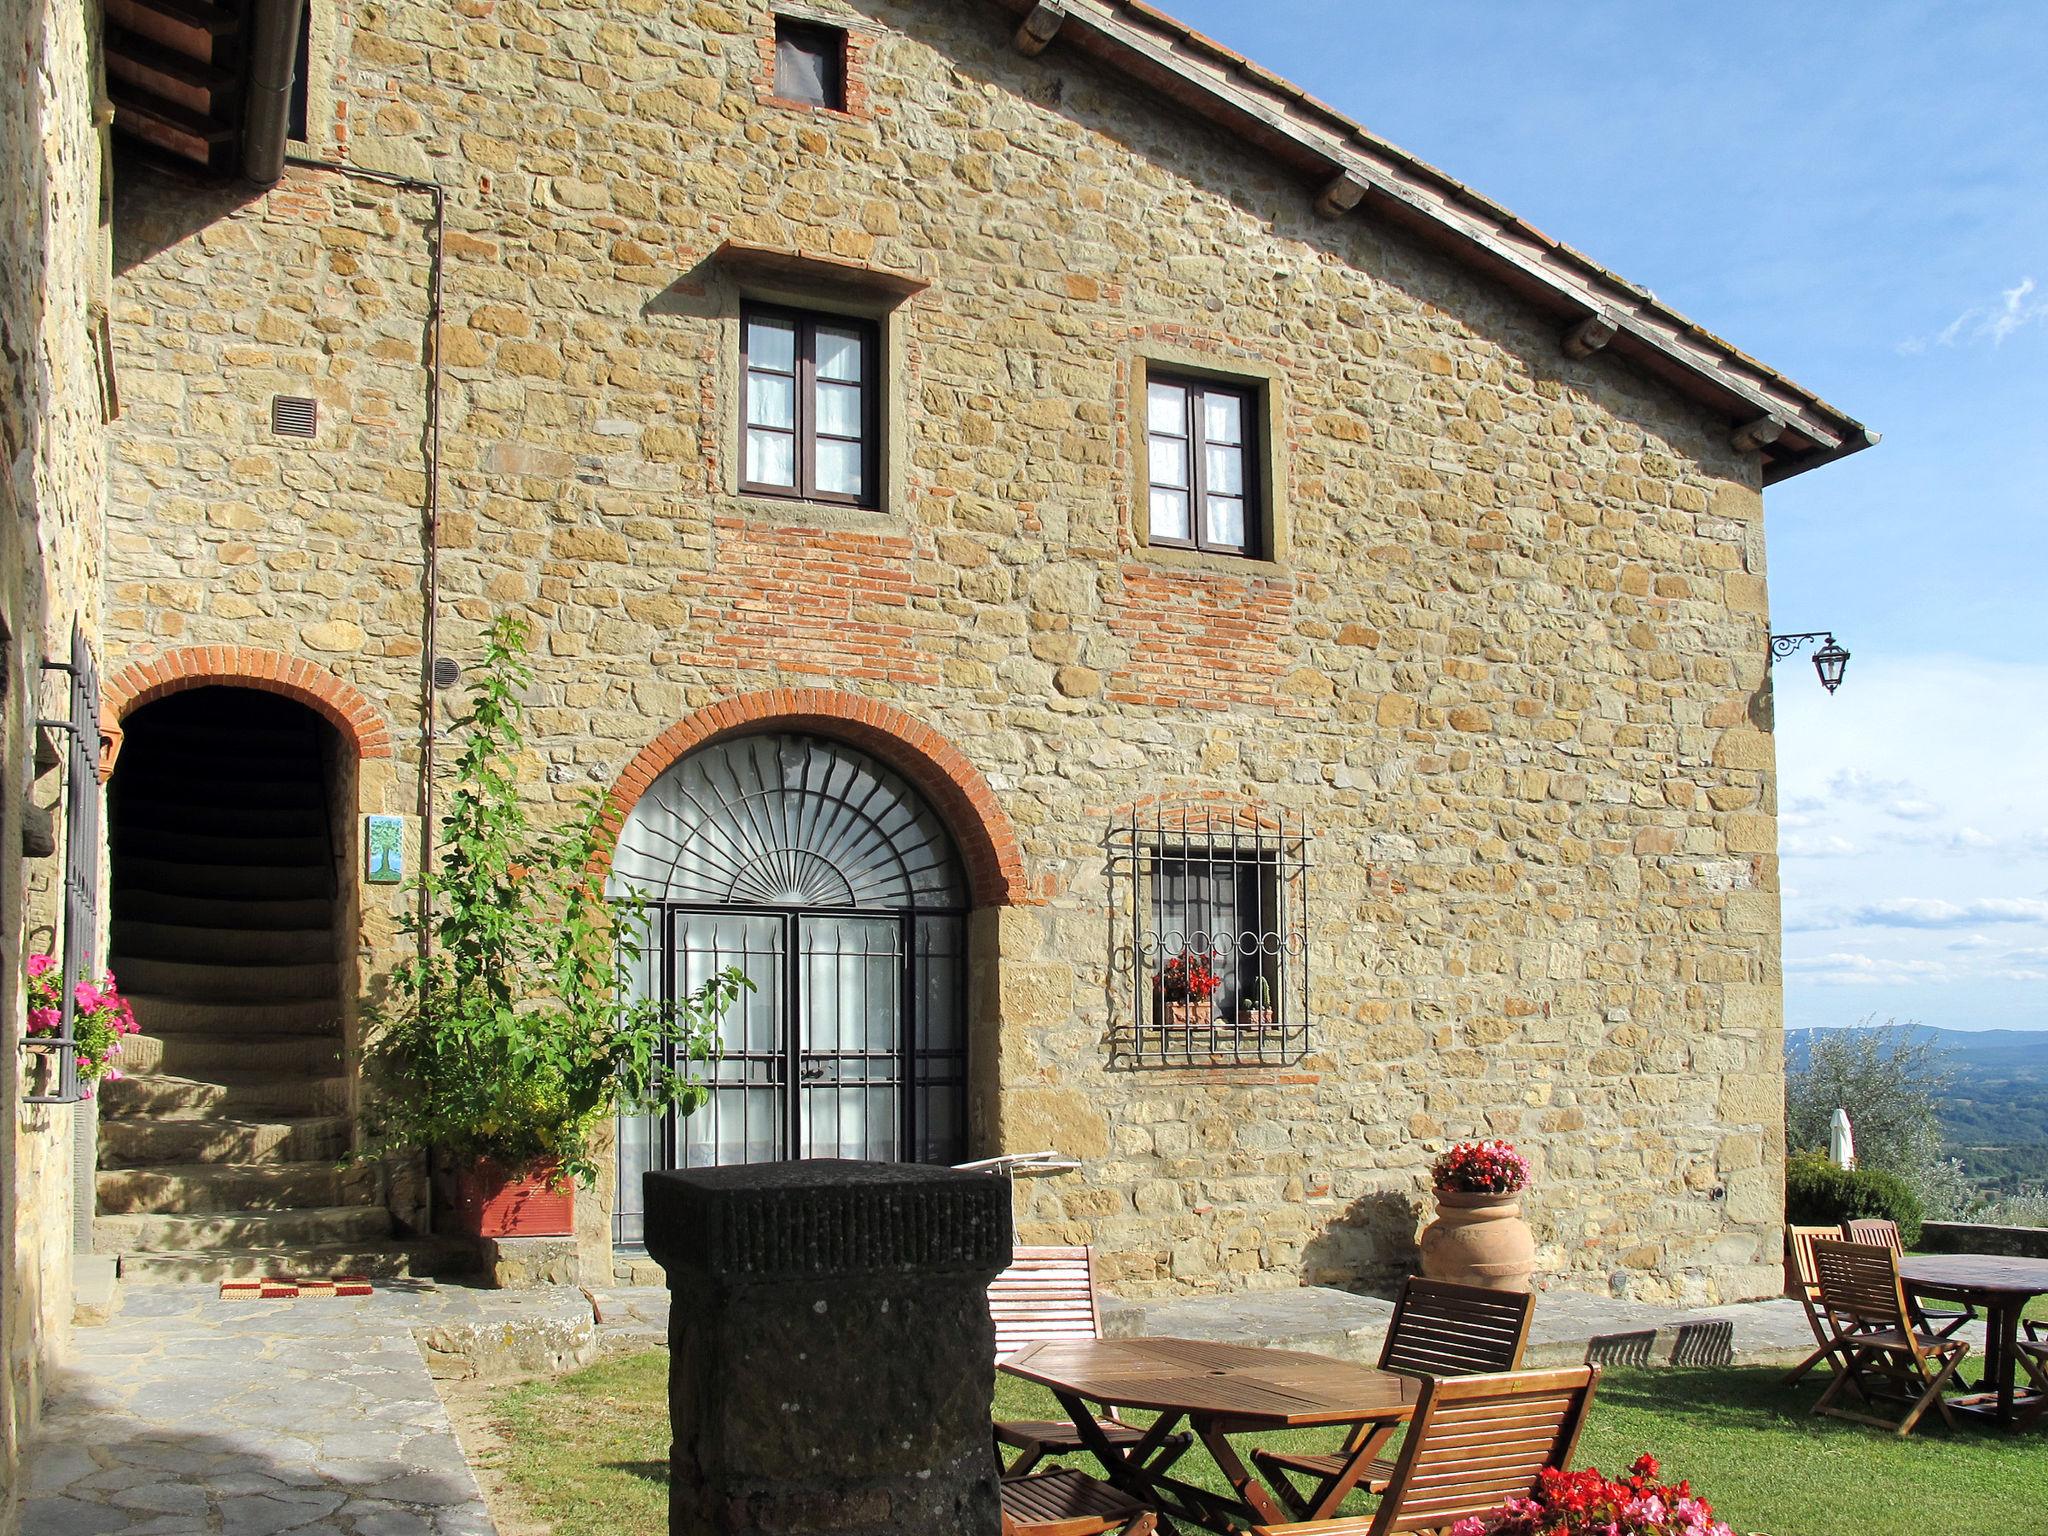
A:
[1479,1237]
[100,1020]
[513,1035]
[1586,1503]
[1186,983]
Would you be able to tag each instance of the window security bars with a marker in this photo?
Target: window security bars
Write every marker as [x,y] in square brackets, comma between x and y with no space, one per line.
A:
[1209,914]
[81,870]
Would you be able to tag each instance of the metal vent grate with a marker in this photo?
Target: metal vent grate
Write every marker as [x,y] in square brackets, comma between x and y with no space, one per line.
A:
[293,416]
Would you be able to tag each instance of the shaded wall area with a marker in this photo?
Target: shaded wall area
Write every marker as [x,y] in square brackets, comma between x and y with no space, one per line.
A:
[53,402]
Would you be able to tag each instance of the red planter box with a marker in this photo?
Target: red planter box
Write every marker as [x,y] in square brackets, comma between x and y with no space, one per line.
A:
[489,1202]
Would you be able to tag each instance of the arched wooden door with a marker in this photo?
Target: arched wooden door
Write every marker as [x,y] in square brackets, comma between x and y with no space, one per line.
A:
[826,878]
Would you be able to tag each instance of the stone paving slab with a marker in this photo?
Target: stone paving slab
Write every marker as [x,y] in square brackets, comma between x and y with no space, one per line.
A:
[186,1414]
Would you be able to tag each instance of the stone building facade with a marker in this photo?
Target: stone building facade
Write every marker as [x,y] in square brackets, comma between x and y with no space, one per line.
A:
[53,403]
[1496,644]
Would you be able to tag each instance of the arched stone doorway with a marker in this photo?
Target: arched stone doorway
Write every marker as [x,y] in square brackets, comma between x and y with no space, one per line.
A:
[835,885]
[232,892]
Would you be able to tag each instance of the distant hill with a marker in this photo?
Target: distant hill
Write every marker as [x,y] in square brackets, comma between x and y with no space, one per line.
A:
[1996,1111]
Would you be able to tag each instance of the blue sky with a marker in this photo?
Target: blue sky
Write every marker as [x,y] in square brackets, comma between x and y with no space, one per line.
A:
[1857,193]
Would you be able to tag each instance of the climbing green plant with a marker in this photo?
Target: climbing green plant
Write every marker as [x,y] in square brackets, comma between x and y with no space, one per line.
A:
[514,1032]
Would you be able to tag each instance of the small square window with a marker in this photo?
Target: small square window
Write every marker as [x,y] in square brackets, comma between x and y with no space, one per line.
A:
[811,412]
[810,63]
[1201,446]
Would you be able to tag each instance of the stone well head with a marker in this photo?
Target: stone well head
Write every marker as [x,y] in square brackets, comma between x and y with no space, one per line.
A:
[832,1353]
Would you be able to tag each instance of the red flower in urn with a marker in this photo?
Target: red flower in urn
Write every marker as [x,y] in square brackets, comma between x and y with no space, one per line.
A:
[1481,1168]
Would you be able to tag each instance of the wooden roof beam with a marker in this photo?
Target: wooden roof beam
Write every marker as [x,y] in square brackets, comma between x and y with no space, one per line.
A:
[1041,26]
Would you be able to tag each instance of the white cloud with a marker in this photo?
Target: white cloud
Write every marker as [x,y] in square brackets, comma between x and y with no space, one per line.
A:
[1826,845]
[1846,968]
[1932,912]
[2016,307]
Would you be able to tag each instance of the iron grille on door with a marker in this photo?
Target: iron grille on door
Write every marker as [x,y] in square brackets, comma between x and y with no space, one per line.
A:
[1210,914]
[829,882]
[81,866]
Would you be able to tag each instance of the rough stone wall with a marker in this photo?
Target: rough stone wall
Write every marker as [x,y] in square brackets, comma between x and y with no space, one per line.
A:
[1510,664]
[52,498]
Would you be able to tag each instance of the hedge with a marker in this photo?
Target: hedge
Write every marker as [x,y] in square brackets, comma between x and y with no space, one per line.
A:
[1817,1193]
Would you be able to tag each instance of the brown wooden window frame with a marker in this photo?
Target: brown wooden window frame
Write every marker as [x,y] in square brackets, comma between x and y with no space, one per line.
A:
[823,39]
[803,431]
[1251,429]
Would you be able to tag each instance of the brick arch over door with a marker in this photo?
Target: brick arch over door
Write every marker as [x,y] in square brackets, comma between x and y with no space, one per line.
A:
[940,771]
[243,666]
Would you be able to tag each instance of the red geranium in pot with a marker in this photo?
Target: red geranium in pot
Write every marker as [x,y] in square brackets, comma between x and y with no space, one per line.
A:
[1186,983]
[1479,1237]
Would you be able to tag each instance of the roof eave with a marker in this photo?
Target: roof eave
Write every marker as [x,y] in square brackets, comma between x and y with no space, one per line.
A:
[1345,167]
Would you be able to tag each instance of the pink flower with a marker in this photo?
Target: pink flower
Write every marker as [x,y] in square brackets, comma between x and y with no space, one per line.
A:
[41,965]
[87,996]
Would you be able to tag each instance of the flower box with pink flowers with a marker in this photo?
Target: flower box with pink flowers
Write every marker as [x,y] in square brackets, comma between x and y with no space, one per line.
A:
[100,1020]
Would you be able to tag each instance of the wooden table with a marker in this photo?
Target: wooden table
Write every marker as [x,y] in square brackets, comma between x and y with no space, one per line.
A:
[1219,1390]
[2000,1287]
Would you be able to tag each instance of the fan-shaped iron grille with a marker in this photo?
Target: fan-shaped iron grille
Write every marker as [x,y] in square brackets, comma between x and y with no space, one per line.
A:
[788,821]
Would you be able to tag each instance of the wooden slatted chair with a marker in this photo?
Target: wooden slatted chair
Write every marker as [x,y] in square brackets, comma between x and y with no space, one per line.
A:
[1475,1443]
[1049,1294]
[1438,1329]
[1884,1355]
[1941,1321]
[2033,1358]
[1803,1282]
[1068,1503]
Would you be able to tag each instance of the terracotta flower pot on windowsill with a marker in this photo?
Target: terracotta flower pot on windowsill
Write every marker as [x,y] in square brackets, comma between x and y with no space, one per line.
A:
[492,1202]
[1186,1015]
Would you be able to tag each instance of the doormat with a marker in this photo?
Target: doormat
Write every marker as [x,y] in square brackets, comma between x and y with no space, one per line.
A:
[290,1288]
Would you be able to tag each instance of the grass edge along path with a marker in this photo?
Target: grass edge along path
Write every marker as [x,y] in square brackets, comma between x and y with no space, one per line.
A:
[587,1453]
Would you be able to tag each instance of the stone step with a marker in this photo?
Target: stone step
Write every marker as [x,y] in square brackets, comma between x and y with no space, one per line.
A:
[185,846]
[296,914]
[182,1016]
[308,1226]
[234,819]
[192,1188]
[213,982]
[316,1055]
[233,882]
[389,1260]
[234,1094]
[145,1143]
[187,942]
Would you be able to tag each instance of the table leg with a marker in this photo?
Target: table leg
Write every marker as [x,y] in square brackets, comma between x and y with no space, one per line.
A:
[1128,1470]
[1254,1494]
[2001,1351]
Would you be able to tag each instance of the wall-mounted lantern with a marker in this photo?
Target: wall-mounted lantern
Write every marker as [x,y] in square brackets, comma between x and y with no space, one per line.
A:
[1830,661]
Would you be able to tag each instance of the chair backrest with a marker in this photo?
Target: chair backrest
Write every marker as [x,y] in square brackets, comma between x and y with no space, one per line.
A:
[1441,1329]
[1477,1441]
[1799,1253]
[1045,1294]
[1859,1283]
[1885,1234]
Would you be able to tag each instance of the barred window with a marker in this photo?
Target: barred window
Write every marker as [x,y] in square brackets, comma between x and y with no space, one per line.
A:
[1211,907]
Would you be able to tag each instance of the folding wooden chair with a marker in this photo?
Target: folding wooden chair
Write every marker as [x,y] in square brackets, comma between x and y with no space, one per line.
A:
[1939,1321]
[1803,1282]
[1884,1355]
[1068,1503]
[1475,1443]
[2033,1358]
[1049,1293]
[1438,1329]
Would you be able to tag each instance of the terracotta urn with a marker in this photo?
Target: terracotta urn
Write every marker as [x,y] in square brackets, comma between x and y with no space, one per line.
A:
[1479,1240]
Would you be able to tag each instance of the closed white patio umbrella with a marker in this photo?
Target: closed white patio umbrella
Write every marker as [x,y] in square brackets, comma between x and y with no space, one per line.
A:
[1841,1141]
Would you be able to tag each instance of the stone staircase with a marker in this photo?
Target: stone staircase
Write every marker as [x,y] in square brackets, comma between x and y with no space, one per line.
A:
[218,1151]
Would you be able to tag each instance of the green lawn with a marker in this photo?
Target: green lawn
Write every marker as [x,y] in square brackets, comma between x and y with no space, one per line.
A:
[588,1453]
